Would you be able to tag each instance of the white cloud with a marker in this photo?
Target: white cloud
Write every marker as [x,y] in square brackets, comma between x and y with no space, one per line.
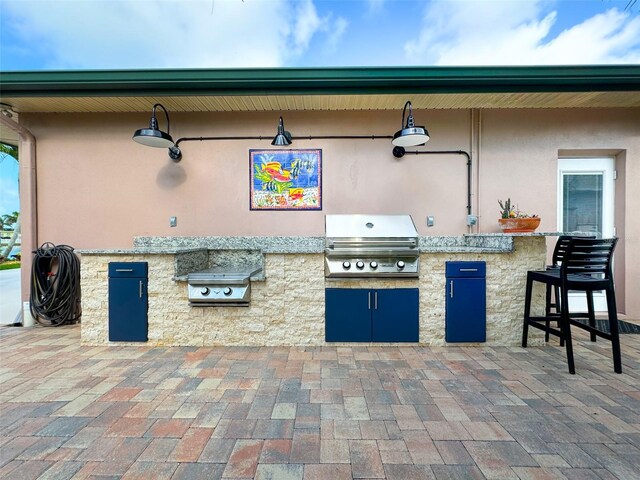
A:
[166,33]
[306,25]
[336,33]
[516,33]
[375,5]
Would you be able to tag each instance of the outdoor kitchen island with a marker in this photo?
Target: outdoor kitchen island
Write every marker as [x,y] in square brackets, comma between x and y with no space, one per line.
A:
[287,304]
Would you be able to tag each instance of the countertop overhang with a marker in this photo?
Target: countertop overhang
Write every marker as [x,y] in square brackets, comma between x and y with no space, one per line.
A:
[467,243]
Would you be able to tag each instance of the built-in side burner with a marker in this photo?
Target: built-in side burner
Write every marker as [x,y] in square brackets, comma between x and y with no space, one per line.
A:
[359,246]
[221,286]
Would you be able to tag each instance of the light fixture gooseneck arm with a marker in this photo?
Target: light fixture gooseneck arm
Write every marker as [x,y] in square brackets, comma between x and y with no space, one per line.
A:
[153,123]
[410,119]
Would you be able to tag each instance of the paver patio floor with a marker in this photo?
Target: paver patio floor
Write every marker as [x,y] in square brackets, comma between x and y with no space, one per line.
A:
[326,413]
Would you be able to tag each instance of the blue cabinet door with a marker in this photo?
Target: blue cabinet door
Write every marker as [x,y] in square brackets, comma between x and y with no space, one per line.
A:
[395,315]
[128,310]
[466,310]
[348,315]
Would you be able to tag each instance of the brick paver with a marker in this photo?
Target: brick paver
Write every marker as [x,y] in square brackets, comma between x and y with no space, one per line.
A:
[345,412]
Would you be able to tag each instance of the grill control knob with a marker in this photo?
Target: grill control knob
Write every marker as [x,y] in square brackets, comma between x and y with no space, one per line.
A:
[373,265]
[204,291]
[346,265]
[400,264]
[360,265]
[227,291]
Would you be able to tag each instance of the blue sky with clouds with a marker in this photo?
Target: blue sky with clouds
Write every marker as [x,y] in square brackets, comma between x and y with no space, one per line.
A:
[87,34]
[8,185]
[114,34]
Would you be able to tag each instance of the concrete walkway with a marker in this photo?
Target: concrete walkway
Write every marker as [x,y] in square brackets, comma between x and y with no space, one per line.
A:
[10,304]
[327,413]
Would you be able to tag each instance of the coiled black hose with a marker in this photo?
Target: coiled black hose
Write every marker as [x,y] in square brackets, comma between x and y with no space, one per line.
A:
[55,285]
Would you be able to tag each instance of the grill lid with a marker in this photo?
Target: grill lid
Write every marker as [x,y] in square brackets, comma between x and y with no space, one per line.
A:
[370,226]
[378,231]
[359,246]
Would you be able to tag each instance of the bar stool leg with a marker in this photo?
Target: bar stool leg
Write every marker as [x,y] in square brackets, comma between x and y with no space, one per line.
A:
[547,311]
[556,291]
[565,328]
[592,315]
[527,311]
[614,330]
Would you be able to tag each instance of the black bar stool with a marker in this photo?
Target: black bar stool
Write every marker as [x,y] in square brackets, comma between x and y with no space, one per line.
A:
[552,305]
[586,267]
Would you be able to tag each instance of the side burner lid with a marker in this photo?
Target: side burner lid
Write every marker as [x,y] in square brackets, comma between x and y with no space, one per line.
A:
[223,274]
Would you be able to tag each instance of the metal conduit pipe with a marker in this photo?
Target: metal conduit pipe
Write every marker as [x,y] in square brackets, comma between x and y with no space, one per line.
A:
[399,152]
[176,154]
[301,137]
[28,204]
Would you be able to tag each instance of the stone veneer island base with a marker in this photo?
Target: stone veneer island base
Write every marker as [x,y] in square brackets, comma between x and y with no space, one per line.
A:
[287,300]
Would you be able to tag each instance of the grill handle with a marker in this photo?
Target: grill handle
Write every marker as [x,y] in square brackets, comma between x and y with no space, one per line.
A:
[368,243]
[218,283]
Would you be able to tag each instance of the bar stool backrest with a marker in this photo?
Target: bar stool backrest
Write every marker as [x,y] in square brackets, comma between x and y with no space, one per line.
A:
[560,249]
[589,256]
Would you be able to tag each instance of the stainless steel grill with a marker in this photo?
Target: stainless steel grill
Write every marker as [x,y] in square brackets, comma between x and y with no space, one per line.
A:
[221,286]
[371,246]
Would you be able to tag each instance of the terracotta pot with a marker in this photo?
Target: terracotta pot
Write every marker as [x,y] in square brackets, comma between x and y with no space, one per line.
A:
[519,225]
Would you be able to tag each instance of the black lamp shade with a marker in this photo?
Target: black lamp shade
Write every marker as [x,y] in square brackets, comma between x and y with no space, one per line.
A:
[410,137]
[153,138]
[283,137]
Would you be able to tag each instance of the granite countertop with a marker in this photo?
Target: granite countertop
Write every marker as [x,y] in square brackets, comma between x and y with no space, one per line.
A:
[140,251]
[466,243]
[281,244]
[524,234]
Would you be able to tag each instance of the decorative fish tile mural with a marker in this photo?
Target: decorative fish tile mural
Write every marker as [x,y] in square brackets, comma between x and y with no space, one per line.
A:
[286,179]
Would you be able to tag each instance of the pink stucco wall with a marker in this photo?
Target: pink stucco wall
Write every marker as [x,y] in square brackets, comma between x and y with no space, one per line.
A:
[519,156]
[98,189]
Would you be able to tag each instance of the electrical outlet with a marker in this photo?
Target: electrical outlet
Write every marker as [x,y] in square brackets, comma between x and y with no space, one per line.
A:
[472,220]
[430,221]
[173,221]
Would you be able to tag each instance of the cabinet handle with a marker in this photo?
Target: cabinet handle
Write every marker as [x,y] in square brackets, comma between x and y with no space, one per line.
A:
[124,269]
[140,289]
[369,300]
[451,291]
[375,300]
[468,269]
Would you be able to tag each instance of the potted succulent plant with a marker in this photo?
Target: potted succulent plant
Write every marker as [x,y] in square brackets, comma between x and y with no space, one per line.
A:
[515,221]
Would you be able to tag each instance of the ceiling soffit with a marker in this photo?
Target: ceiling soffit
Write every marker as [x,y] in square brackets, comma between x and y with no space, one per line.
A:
[256,103]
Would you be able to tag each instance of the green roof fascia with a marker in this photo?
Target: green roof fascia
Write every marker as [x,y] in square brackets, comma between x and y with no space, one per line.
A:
[319,81]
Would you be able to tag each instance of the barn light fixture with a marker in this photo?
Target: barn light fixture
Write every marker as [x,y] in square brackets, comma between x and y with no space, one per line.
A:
[283,137]
[409,135]
[6,110]
[154,137]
